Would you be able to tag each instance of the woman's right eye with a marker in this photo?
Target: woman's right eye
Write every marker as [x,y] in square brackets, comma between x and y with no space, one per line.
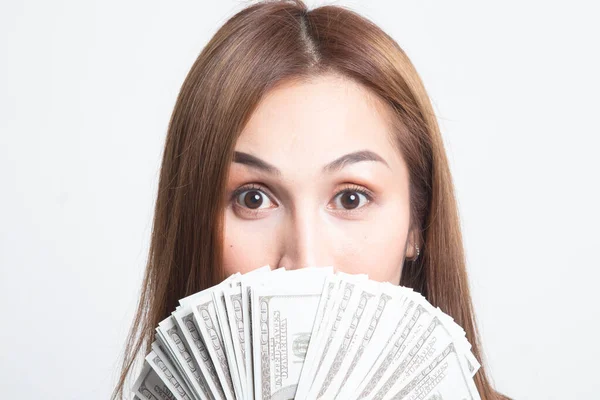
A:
[251,198]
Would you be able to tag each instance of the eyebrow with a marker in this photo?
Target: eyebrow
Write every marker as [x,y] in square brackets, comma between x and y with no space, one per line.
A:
[335,165]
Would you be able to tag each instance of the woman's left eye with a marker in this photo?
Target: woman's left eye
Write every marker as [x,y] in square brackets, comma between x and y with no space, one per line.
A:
[350,199]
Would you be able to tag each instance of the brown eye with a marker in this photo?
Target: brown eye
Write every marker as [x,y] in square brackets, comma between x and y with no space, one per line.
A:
[252,199]
[351,199]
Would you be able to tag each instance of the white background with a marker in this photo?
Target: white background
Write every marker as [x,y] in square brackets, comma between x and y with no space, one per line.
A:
[86,92]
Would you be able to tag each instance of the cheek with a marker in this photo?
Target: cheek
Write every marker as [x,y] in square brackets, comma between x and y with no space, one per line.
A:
[244,245]
[378,250]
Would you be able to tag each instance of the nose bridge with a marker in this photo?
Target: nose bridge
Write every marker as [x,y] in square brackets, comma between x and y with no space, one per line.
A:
[304,240]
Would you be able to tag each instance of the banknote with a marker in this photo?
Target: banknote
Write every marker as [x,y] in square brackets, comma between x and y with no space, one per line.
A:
[391,316]
[238,311]
[233,311]
[205,317]
[165,370]
[352,328]
[427,346]
[312,333]
[173,339]
[150,386]
[338,317]
[281,326]
[222,322]
[444,377]
[326,301]
[393,354]
[184,318]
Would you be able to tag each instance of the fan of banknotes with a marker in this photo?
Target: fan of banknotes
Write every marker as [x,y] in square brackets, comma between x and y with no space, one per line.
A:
[311,333]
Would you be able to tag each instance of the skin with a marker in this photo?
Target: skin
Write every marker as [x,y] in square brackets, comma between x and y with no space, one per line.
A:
[305,216]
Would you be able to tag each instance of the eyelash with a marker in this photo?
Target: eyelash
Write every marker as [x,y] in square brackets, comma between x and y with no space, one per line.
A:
[351,188]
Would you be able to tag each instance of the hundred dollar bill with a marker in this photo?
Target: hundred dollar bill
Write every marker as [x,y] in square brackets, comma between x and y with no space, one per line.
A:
[161,343]
[165,371]
[445,377]
[282,320]
[330,289]
[218,298]
[159,348]
[393,353]
[460,341]
[239,323]
[279,277]
[393,307]
[345,296]
[431,343]
[257,279]
[184,317]
[150,386]
[232,297]
[307,334]
[356,320]
[204,317]
[175,341]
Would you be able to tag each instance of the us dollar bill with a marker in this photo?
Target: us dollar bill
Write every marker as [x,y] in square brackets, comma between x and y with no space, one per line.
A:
[392,354]
[175,341]
[445,377]
[226,335]
[282,320]
[308,333]
[184,318]
[331,287]
[166,372]
[205,316]
[432,342]
[150,386]
[391,315]
[360,308]
[334,313]
[237,315]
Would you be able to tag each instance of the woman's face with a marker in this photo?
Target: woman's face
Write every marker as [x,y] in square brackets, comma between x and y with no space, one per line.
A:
[316,182]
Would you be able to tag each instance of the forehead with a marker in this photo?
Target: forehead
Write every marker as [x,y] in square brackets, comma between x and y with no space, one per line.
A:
[315,122]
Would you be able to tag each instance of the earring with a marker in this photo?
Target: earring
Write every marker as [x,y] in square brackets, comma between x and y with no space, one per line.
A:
[417,249]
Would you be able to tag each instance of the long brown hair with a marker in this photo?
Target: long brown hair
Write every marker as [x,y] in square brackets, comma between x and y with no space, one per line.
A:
[261,46]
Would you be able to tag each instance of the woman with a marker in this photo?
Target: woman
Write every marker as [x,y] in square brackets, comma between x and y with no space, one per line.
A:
[303,138]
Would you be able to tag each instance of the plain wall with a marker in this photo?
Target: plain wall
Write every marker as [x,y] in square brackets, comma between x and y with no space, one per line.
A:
[86,92]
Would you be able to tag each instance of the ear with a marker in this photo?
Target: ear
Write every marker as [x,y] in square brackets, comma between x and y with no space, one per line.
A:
[411,251]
